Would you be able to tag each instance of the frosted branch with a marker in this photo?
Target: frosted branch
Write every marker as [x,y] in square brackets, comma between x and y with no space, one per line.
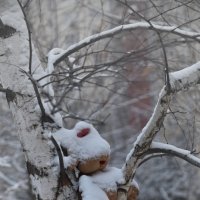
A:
[185,78]
[179,80]
[127,27]
[143,142]
[157,147]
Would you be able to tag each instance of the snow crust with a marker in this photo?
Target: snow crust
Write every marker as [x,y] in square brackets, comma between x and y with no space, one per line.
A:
[44,79]
[5,161]
[160,145]
[56,116]
[135,184]
[89,190]
[69,161]
[186,76]
[52,56]
[186,71]
[13,20]
[93,187]
[89,146]
[108,178]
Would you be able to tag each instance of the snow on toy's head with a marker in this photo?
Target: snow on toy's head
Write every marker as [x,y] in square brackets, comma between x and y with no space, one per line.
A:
[82,129]
[93,151]
[84,143]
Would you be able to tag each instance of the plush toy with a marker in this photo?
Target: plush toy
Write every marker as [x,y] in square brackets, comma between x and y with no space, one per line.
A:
[103,185]
[85,148]
[87,151]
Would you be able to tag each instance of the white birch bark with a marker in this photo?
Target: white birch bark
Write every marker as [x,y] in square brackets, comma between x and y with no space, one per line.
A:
[38,148]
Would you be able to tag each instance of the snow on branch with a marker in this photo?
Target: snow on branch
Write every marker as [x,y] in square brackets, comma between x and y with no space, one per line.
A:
[126,27]
[179,80]
[143,142]
[157,147]
[185,78]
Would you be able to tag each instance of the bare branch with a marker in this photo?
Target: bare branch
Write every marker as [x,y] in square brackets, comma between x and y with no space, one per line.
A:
[151,156]
[167,79]
[122,28]
[44,117]
[29,37]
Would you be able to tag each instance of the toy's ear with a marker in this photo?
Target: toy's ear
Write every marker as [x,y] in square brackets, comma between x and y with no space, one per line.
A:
[83,132]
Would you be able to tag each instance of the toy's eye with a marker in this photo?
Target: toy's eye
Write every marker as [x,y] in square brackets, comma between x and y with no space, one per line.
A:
[83,132]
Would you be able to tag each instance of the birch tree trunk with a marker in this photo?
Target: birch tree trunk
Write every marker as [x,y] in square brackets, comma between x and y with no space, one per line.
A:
[33,134]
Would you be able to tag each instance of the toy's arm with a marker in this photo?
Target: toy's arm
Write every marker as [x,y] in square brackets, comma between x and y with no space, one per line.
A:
[69,162]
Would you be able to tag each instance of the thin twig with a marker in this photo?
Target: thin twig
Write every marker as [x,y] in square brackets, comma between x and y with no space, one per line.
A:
[29,37]
[64,179]
[167,79]
[37,93]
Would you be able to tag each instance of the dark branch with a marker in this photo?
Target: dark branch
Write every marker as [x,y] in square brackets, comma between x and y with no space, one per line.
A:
[29,37]
[64,179]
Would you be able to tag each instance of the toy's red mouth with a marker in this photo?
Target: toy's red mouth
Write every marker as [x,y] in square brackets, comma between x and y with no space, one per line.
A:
[102,162]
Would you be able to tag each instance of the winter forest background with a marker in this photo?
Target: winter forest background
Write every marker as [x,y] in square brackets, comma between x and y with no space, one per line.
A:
[118,100]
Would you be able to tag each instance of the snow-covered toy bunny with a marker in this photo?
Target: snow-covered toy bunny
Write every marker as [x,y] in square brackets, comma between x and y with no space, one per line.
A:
[86,149]
[104,185]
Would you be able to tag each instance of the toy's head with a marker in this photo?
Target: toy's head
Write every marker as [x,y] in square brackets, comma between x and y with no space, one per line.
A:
[85,144]
[94,151]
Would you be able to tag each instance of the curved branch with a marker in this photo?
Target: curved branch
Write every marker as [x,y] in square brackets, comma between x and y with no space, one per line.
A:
[151,156]
[144,140]
[179,80]
[167,79]
[185,78]
[122,28]
[63,179]
[157,147]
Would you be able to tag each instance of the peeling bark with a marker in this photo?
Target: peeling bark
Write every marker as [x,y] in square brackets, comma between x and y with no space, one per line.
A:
[6,31]
[34,170]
